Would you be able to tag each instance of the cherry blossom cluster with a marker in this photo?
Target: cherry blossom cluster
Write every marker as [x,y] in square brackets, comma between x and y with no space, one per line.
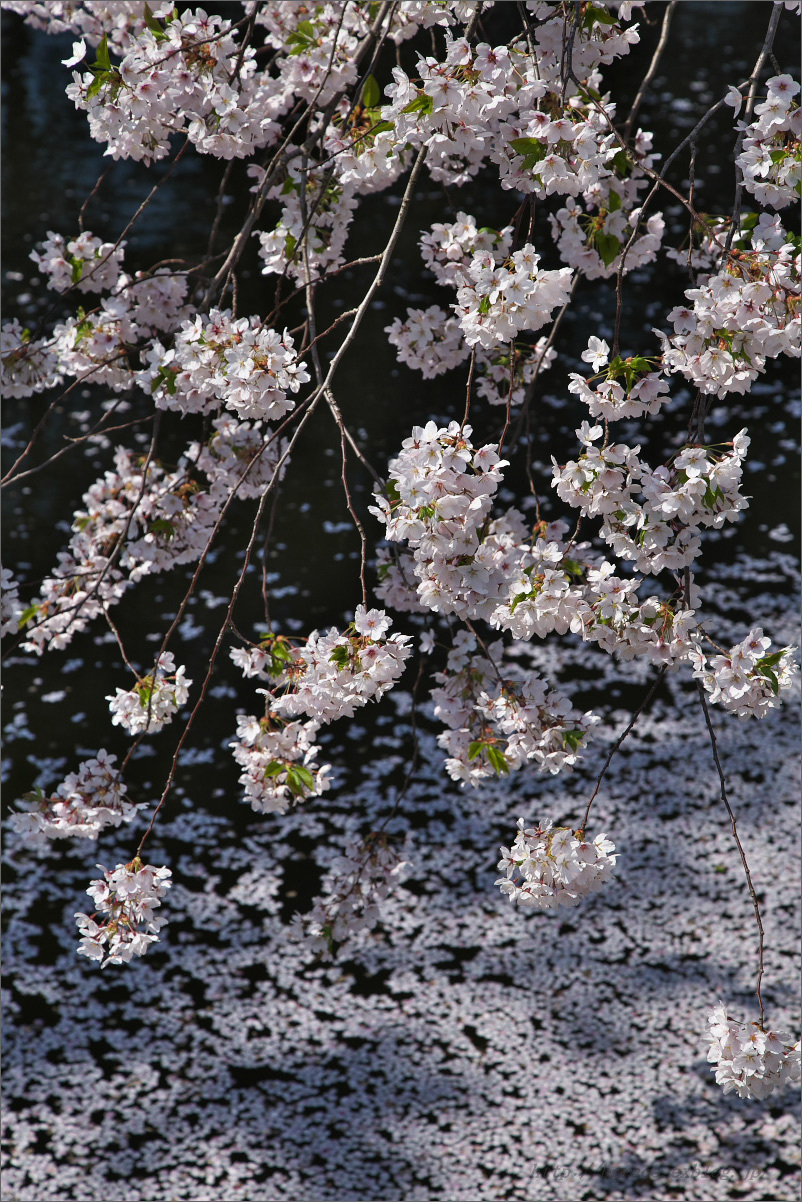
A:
[84,803]
[316,212]
[154,699]
[500,718]
[432,341]
[85,262]
[278,761]
[594,243]
[10,604]
[505,375]
[699,488]
[137,519]
[629,387]
[186,74]
[397,585]
[235,448]
[428,340]
[318,45]
[740,317]
[478,103]
[549,867]
[356,885]
[440,494]
[770,155]
[335,673]
[124,903]
[121,22]
[94,346]
[239,361]
[448,248]
[27,364]
[748,1060]
[501,301]
[748,679]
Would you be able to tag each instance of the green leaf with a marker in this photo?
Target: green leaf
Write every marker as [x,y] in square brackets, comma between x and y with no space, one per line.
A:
[95,86]
[155,27]
[274,768]
[594,15]
[304,775]
[340,657]
[371,93]
[622,163]
[497,760]
[475,749]
[299,779]
[162,526]
[27,615]
[531,149]
[517,599]
[103,59]
[165,378]
[768,661]
[613,202]
[573,738]
[772,679]
[638,363]
[289,245]
[77,269]
[381,127]
[484,304]
[608,247]
[421,104]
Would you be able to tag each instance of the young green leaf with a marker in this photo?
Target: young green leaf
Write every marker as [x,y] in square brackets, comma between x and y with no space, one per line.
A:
[497,760]
[608,247]
[371,93]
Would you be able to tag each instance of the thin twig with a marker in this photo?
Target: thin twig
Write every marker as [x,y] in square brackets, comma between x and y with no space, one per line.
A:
[620,740]
[741,852]
[650,74]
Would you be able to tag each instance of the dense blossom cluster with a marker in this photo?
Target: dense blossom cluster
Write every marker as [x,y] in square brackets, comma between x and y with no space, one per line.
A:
[121,22]
[749,1060]
[741,316]
[11,610]
[629,387]
[498,302]
[186,74]
[356,884]
[499,723]
[277,758]
[138,519]
[239,361]
[747,679]
[548,867]
[500,718]
[96,345]
[86,262]
[653,517]
[84,803]
[770,155]
[154,700]
[123,925]
[334,673]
